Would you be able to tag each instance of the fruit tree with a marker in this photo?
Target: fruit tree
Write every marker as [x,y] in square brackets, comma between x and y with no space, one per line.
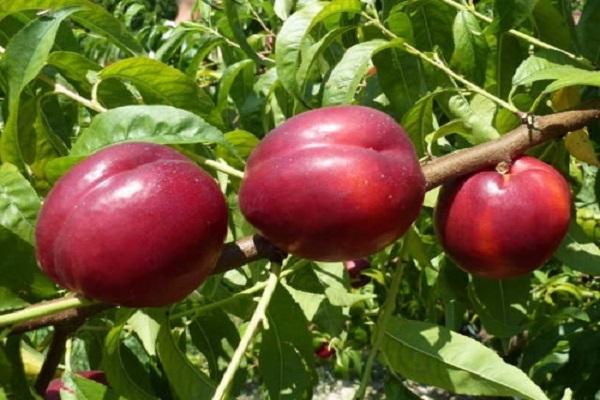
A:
[279,199]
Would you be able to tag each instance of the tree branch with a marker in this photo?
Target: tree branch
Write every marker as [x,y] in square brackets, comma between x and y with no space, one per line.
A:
[436,172]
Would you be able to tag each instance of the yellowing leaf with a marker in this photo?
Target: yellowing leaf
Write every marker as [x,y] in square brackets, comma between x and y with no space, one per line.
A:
[581,147]
[566,98]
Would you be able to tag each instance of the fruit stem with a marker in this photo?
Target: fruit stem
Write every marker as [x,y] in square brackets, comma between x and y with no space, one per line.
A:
[249,334]
[388,310]
[61,89]
[43,309]
[513,32]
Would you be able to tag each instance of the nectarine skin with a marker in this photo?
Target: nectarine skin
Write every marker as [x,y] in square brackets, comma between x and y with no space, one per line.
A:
[333,184]
[136,224]
[504,225]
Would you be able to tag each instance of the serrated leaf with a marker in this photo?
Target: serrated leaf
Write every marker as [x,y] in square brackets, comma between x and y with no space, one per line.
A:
[286,358]
[19,203]
[579,252]
[291,37]
[433,355]
[157,124]
[187,380]
[347,74]
[116,369]
[470,47]
[24,58]
[160,84]
[92,16]
[501,304]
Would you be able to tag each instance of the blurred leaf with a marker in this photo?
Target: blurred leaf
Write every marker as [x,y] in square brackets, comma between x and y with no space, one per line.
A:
[580,146]
[291,36]
[214,335]
[341,86]
[579,77]
[433,355]
[399,23]
[229,76]
[187,381]
[157,124]
[470,47]
[509,14]
[12,375]
[418,122]
[24,58]
[579,252]
[146,329]
[551,25]
[286,356]
[160,84]
[588,31]
[501,304]
[283,8]
[87,389]
[19,203]
[92,16]
[239,34]
[117,367]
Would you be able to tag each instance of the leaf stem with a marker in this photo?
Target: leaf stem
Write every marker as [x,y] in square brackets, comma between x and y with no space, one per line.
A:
[223,167]
[257,317]
[516,33]
[43,309]
[388,310]
[61,89]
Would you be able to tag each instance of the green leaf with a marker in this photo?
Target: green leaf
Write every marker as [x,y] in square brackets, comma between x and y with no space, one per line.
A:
[432,25]
[579,252]
[228,78]
[187,381]
[157,124]
[575,78]
[12,375]
[399,23]
[146,328]
[92,16]
[25,56]
[433,355]
[588,31]
[501,304]
[552,26]
[293,32]
[215,336]
[160,84]
[418,122]
[87,389]
[233,19]
[286,355]
[509,14]
[540,67]
[19,203]
[333,279]
[401,78]
[470,47]
[116,367]
[347,74]
[478,116]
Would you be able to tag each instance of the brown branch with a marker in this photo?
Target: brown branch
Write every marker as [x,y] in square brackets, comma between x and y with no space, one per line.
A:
[436,172]
[507,147]
[53,357]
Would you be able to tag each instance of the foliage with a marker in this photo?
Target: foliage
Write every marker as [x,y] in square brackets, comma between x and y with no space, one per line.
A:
[76,76]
